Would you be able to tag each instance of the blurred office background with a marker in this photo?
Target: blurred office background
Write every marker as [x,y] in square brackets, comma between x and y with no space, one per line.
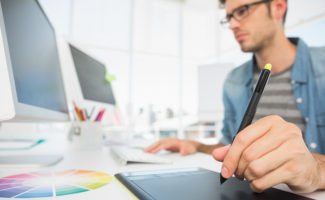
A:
[169,57]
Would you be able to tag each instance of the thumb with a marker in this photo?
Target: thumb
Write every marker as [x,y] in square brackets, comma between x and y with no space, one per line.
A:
[220,153]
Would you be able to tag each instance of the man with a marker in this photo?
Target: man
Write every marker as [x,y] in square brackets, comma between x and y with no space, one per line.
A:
[274,149]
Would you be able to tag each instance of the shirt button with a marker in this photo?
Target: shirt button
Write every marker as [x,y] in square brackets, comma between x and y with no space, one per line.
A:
[313,145]
[293,81]
[299,100]
[307,119]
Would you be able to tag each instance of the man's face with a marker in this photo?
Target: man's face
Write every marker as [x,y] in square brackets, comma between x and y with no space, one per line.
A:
[256,30]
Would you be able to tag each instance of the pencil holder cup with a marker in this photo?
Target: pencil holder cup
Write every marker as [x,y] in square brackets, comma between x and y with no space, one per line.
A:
[86,135]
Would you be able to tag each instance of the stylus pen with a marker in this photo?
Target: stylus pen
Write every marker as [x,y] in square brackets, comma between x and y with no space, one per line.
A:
[251,108]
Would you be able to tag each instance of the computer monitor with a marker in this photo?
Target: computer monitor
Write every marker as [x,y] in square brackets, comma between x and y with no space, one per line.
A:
[85,77]
[31,84]
[31,81]
[91,76]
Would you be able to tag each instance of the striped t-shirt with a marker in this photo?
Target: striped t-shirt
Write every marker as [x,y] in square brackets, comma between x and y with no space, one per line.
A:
[278,99]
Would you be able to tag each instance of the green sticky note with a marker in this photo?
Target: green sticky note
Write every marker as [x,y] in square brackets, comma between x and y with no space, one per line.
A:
[109,77]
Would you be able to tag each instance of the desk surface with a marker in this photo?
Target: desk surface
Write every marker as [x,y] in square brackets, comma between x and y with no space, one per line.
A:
[102,160]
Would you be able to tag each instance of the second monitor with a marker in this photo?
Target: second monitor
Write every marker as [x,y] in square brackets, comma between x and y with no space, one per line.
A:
[92,77]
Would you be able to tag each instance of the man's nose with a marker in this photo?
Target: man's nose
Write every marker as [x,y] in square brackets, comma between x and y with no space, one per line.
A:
[233,24]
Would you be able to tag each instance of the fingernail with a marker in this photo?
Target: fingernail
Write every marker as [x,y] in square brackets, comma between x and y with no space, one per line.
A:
[224,172]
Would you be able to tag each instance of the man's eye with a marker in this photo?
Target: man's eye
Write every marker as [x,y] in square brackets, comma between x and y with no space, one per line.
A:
[241,11]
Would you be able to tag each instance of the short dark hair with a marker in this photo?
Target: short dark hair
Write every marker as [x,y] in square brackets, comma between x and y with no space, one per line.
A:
[222,5]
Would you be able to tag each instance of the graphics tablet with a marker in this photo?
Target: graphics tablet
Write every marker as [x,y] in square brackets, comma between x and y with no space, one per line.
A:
[194,184]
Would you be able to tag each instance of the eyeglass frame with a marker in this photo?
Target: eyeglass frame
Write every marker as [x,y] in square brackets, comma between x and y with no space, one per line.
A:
[228,17]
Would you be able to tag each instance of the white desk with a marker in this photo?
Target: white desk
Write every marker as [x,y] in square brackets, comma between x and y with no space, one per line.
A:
[101,160]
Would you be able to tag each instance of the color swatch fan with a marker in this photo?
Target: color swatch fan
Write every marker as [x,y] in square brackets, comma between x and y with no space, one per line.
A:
[47,184]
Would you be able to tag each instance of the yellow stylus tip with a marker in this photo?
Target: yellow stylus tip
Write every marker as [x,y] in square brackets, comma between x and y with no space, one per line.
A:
[268,66]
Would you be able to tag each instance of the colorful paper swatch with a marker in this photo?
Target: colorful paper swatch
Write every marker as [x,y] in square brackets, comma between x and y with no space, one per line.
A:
[47,184]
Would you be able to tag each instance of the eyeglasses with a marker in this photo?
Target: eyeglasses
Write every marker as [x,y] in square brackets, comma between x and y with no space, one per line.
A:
[240,12]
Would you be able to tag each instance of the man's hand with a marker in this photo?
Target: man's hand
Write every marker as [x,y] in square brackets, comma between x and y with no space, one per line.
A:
[185,147]
[269,152]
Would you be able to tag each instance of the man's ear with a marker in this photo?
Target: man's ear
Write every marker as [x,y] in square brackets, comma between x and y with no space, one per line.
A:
[279,8]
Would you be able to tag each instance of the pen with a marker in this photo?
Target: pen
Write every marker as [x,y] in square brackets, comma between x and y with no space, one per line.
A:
[77,110]
[97,116]
[83,116]
[101,115]
[91,112]
[87,115]
[251,108]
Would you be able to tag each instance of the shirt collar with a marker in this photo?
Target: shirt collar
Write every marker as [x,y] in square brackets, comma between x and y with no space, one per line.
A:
[249,71]
[299,69]
[302,61]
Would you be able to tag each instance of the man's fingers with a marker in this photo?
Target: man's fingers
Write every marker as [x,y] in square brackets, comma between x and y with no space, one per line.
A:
[245,138]
[269,162]
[152,147]
[168,144]
[157,149]
[275,177]
[171,144]
[183,150]
[220,153]
[262,146]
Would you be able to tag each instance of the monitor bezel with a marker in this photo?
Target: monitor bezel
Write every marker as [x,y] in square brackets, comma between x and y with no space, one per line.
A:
[21,111]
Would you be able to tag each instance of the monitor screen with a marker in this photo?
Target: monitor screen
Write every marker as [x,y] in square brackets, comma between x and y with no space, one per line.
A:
[91,76]
[34,56]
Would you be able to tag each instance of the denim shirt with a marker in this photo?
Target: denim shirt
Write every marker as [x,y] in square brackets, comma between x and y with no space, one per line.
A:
[308,83]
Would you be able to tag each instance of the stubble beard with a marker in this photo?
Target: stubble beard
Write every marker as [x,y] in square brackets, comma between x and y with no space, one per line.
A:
[258,44]
[251,48]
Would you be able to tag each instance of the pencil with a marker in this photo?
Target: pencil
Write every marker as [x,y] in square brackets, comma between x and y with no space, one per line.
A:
[77,110]
[251,109]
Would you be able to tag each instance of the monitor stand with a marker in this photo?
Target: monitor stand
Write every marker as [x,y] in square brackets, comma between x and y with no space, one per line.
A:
[24,160]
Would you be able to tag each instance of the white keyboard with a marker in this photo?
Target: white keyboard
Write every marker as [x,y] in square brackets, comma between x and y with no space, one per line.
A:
[125,155]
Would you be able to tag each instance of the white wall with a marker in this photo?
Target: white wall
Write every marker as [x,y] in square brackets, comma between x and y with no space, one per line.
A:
[155,46]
